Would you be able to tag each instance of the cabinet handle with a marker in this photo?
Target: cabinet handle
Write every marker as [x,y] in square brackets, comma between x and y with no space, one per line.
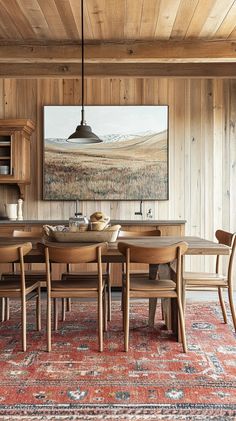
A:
[12,171]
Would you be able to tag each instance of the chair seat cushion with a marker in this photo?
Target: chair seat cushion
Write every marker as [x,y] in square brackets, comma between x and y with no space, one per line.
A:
[144,283]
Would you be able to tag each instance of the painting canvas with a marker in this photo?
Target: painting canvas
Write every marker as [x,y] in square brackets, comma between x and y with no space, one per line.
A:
[131,162]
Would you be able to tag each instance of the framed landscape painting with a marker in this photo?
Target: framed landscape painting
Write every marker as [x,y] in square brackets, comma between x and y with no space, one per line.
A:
[129,163]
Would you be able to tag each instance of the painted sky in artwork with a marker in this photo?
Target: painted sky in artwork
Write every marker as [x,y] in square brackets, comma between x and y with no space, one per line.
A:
[61,121]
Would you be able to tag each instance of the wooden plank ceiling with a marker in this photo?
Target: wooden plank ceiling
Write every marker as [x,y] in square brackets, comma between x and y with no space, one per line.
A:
[42,37]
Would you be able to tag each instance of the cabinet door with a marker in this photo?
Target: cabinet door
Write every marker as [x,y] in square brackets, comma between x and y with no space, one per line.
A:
[15,152]
[6,145]
[7,230]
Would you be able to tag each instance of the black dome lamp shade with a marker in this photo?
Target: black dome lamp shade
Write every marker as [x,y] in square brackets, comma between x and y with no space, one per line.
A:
[83,133]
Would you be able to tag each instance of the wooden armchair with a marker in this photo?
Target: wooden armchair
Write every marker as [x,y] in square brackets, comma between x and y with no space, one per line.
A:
[144,287]
[20,287]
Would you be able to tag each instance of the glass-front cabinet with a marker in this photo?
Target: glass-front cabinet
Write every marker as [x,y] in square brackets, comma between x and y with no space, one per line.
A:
[15,152]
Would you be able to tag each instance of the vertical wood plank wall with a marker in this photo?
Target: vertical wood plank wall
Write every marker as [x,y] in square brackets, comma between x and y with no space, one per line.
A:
[202,145]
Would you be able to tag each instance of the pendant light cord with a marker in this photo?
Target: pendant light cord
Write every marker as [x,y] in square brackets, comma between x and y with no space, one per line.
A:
[82,64]
[83,133]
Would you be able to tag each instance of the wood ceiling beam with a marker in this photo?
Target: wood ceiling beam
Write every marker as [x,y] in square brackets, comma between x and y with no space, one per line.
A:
[134,70]
[138,52]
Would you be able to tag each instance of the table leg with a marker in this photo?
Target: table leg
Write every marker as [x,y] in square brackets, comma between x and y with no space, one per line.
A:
[152,311]
[169,306]
[153,273]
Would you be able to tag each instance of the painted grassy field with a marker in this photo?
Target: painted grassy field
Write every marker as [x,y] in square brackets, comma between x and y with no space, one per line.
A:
[124,170]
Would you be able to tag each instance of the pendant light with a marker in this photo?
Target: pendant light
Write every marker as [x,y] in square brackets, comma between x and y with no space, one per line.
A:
[83,133]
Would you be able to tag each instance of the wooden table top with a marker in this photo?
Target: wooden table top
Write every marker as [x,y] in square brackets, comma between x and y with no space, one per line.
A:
[196,246]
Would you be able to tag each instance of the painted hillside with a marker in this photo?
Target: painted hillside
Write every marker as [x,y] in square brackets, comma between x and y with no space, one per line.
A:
[122,170]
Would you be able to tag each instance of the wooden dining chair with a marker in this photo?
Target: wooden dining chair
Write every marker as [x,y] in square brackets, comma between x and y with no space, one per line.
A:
[134,234]
[201,281]
[71,273]
[35,274]
[141,269]
[145,287]
[14,274]
[20,287]
[80,287]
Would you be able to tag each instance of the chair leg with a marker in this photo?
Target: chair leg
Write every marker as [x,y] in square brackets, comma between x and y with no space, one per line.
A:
[23,321]
[63,309]
[3,305]
[105,313]
[184,297]
[222,304]
[109,299]
[122,296]
[182,324]
[7,300]
[126,321]
[68,304]
[100,321]
[162,311]
[38,309]
[123,307]
[232,308]
[55,308]
[49,328]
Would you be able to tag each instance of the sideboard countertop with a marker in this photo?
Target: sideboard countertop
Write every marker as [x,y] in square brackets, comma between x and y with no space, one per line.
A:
[113,222]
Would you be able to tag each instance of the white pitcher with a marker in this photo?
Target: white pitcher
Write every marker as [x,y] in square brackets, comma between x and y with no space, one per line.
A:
[11,211]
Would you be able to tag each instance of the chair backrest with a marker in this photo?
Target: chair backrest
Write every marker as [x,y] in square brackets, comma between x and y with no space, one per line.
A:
[27,234]
[59,253]
[228,239]
[152,255]
[11,253]
[126,234]
[224,237]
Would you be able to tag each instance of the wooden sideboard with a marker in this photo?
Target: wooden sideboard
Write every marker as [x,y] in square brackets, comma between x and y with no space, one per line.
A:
[171,227]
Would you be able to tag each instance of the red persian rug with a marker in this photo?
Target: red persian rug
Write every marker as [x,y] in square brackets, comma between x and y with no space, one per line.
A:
[155,380]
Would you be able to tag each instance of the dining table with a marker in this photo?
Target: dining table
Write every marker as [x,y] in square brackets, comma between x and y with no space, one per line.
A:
[196,246]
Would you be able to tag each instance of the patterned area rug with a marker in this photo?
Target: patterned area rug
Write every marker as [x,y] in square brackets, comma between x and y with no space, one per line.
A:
[154,380]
